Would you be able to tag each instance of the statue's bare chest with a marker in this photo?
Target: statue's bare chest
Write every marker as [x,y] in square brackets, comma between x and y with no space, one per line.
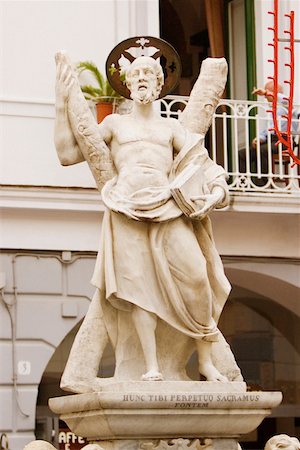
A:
[157,133]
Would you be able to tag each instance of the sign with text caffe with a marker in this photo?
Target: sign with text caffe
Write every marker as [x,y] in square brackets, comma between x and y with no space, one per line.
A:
[69,441]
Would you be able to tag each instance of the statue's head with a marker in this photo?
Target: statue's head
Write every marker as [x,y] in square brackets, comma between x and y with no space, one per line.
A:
[157,57]
[282,441]
[144,79]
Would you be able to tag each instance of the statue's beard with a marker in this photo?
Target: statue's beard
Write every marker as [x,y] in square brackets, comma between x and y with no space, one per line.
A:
[144,96]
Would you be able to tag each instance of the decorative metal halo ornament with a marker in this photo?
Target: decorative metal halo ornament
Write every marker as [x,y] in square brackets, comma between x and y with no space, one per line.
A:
[127,51]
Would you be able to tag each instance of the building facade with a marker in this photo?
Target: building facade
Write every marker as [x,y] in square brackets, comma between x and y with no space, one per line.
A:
[51,215]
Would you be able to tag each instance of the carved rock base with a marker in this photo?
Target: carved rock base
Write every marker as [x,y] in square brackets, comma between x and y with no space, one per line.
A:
[171,444]
[165,415]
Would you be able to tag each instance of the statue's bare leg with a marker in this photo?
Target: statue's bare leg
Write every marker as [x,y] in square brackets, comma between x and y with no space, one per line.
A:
[189,270]
[145,324]
[206,366]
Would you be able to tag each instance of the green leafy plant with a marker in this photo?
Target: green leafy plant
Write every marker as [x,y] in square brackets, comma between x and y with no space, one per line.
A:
[102,92]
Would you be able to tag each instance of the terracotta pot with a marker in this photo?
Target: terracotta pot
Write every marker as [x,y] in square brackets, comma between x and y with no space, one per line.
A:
[103,109]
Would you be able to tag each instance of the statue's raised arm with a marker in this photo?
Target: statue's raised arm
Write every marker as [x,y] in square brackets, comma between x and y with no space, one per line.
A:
[77,135]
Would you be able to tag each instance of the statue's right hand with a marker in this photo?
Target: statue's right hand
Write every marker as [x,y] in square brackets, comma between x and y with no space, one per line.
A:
[65,75]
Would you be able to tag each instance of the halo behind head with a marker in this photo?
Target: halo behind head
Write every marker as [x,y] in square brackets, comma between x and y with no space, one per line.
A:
[127,51]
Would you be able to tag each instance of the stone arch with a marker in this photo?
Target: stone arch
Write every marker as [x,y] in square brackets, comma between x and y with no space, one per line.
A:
[45,420]
[281,290]
[261,322]
[271,288]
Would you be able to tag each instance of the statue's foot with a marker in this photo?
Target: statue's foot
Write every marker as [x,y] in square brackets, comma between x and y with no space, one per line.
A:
[152,375]
[209,371]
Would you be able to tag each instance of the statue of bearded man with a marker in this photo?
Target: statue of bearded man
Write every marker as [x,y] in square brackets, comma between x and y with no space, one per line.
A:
[156,265]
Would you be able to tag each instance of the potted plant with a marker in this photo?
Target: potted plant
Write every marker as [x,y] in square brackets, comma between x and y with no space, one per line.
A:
[103,95]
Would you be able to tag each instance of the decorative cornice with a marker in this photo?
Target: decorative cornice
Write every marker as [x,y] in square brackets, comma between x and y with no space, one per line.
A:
[88,199]
[47,198]
[27,107]
[264,203]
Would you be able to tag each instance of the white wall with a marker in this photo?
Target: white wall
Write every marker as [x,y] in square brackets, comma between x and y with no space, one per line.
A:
[34,30]
[31,33]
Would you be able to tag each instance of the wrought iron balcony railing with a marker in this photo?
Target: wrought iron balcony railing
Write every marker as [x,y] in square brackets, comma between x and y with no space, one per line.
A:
[261,168]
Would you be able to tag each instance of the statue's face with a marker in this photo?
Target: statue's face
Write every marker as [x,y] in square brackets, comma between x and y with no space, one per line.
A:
[282,441]
[142,80]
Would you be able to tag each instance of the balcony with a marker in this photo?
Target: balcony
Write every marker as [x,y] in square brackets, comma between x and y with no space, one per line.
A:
[37,190]
[235,124]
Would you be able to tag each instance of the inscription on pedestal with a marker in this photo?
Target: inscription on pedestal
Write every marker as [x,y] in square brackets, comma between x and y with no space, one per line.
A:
[191,400]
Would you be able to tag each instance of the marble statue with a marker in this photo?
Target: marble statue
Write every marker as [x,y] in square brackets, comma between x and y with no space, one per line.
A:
[160,284]
[283,441]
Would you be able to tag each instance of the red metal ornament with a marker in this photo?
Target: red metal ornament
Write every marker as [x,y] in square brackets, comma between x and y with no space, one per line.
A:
[284,137]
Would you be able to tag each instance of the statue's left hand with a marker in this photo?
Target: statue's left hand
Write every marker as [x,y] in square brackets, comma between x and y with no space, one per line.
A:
[210,201]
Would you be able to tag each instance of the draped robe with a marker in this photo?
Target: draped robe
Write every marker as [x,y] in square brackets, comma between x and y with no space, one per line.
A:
[139,262]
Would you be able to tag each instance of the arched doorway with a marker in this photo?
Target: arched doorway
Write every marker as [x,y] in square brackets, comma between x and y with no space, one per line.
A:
[261,322]
[48,425]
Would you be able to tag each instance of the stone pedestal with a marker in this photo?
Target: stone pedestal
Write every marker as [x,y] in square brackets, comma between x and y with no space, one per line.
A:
[166,415]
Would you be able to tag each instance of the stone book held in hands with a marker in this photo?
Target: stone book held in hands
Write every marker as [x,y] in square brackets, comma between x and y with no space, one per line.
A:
[188,184]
